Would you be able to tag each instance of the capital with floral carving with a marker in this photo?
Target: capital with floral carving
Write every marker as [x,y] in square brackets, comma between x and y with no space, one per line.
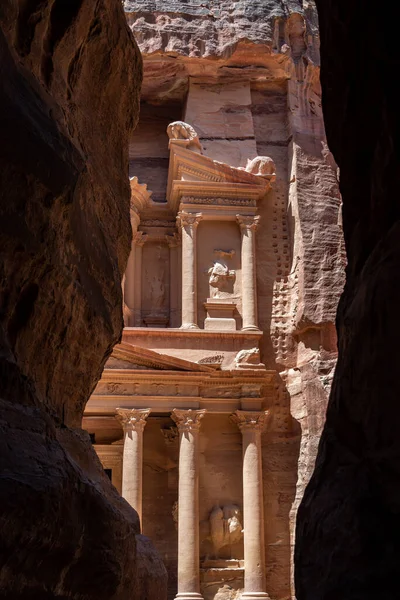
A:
[189,220]
[248,222]
[133,419]
[188,420]
[173,240]
[249,420]
[139,238]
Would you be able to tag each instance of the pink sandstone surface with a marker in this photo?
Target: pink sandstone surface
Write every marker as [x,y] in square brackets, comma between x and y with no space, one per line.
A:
[70,80]
[246,77]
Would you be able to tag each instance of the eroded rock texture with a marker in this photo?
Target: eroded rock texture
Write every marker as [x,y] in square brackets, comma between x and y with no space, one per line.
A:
[348,529]
[70,78]
[245,75]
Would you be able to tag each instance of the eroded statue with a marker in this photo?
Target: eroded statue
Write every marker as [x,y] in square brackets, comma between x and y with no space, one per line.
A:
[248,357]
[220,280]
[179,130]
[225,526]
[261,165]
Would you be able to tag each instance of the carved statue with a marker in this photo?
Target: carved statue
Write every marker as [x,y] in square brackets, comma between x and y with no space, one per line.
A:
[248,357]
[157,290]
[178,130]
[220,277]
[225,526]
[261,165]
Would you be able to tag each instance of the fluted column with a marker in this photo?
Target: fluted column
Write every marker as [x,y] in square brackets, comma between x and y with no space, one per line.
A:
[133,422]
[188,422]
[139,239]
[248,226]
[251,425]
[189,223]
[173,242]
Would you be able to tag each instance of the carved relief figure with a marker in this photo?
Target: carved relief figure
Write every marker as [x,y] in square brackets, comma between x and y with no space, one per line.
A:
[157,292]
[225,527]
[178,130]
[220,280]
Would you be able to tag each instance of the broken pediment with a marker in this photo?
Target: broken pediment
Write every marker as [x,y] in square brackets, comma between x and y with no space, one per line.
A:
[127,356]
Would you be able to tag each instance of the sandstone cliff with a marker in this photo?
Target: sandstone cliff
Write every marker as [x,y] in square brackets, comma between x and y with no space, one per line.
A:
[70,79]
[348,530]
[247,74]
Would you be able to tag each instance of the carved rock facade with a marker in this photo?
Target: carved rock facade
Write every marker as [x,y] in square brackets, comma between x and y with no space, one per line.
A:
[231,286]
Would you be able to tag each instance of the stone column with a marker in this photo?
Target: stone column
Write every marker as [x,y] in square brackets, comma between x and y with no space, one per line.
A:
[188,422]
[133,422]
[173,242]
[189,223]
[138,239]
[248,225]
[251,425]
[128,282]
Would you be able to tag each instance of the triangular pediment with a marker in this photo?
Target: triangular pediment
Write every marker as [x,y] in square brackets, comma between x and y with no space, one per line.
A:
[129,356]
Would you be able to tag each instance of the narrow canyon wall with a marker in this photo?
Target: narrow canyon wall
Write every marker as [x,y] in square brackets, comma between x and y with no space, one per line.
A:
[348,528]
[70,80]
[245,75]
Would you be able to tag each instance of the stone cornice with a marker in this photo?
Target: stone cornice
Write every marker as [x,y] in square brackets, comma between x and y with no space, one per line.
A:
[233,377]
[146,332]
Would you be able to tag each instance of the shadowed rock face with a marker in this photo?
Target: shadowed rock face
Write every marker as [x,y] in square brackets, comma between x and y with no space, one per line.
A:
[70,79]
[348,528]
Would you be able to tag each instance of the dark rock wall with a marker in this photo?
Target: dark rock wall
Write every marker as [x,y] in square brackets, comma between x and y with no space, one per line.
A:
[70,79]
[348,527]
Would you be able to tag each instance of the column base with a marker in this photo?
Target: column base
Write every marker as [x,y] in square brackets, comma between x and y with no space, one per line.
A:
[251,328]
[189,326]
[254,596]
[189,596]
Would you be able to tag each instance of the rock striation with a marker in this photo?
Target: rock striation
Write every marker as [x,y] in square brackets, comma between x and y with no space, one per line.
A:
[68,103]
[348,529]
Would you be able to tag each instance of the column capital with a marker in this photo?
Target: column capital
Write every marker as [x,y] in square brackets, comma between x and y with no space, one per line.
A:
[187,420]
[139,238]
[133,418]
[250,420]
[186,219]
[173,240]
[248,222]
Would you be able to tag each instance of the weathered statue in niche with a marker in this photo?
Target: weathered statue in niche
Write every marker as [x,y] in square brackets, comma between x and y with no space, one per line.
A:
[223,532]
[221,280]
[157,293]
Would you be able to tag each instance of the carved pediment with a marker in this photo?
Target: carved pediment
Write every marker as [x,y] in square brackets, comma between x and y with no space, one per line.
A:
[188,168]
[127,356]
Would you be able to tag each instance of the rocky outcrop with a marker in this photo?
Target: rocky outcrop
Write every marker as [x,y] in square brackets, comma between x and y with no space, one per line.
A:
[348,528]
[70,78]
